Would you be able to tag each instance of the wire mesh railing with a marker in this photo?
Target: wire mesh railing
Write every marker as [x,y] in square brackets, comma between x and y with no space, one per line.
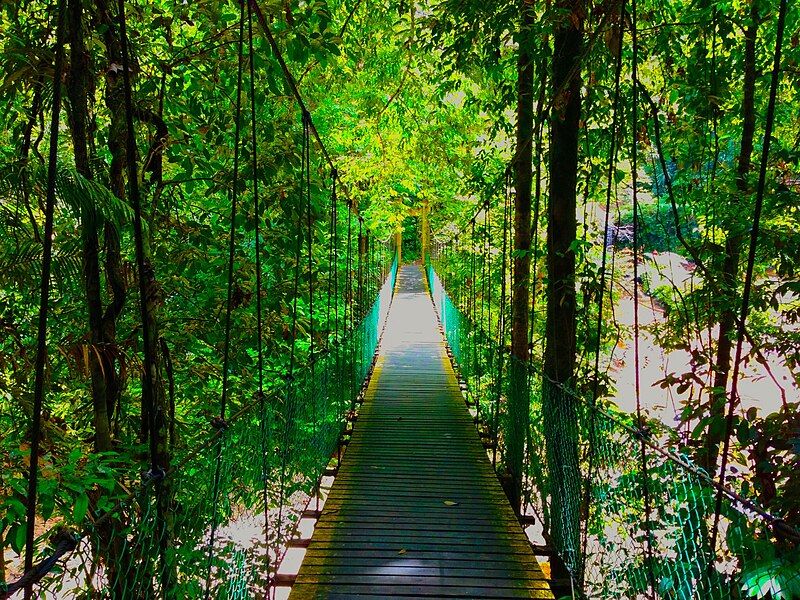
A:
[190,534]
[646,511]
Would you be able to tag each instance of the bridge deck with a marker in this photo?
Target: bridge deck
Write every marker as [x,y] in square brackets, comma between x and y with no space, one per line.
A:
[416,510]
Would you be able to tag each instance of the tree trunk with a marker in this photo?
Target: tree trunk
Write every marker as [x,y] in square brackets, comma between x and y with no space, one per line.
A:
[558,402]
[733,248]
[519,400]
[114,270]
[80,88]
[24,154]
[155,418]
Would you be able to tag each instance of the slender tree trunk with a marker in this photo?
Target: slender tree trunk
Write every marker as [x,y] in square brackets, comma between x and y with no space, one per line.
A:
[559,405]
[102,368]
[733,248]
[156,422]
[80,87]
[519,400]
[24,154]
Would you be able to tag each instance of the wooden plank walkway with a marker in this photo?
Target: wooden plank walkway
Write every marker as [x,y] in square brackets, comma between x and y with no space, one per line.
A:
[416,510]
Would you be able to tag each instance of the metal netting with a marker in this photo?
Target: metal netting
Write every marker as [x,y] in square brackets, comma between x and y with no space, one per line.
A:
[646,512]
[192,534]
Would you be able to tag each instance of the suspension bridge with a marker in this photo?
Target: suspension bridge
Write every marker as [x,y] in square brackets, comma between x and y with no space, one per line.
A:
[380,457]
[415,510]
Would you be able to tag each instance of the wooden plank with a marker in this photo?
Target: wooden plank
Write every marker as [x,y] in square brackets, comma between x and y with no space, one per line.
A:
[345,592]
[416,510]
[414,578]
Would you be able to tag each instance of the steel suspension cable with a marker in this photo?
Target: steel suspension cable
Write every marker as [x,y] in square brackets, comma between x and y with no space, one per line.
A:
[44,297]
[335,218]
[487,230]
[611,168]
[349,319]
[306,186]
[636,351]
[289,78]
[482,301]
[360,282]
[331,259]
[265,428]
[220,421]
[159,452]
[291,389]
[472,300]
[751,257]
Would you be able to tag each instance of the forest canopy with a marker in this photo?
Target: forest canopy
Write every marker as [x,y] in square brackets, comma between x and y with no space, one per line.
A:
[628,172]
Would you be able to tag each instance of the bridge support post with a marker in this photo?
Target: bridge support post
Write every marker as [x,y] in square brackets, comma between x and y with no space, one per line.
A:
[425,250]
[398,244]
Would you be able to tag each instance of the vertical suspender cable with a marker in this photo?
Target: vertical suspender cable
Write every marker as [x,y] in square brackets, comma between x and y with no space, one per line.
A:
[158,454]
[331,260]
[312,392]
[482,310]
[487,229]
[637,377]
[291,388]
[44,297]
[310,232]
[360,290]
[259,313]
[232,233]
[472,299]
[298,257]
[611,169]
[335,218]
[751,258]
[348,324]
[229,301]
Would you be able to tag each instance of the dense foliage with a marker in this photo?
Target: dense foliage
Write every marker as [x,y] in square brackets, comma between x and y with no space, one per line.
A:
[418,105]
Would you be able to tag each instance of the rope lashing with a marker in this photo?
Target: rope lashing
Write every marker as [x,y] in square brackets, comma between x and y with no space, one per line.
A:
[64,543]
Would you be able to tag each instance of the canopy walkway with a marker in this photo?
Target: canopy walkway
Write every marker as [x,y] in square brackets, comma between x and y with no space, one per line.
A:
[416,510]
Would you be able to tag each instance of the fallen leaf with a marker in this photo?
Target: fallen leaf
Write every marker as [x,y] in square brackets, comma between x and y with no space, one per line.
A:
[450,503]
[402,551]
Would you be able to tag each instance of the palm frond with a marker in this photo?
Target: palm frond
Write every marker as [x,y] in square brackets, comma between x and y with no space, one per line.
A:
[84,196]
[21,263]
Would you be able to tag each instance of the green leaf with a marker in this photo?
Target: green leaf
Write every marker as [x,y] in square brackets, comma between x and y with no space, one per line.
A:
[17,537]
[81,506]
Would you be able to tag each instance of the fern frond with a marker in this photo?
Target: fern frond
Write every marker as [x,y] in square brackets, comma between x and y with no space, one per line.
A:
[21,264]
[81,194]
